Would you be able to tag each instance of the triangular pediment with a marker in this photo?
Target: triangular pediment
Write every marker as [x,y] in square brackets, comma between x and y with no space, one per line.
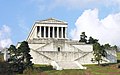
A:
[51,20]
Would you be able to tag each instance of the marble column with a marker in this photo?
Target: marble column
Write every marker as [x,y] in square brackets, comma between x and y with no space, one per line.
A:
[44,32]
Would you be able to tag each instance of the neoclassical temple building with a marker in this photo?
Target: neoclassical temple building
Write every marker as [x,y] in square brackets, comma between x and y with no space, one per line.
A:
[50,45]
[49,29]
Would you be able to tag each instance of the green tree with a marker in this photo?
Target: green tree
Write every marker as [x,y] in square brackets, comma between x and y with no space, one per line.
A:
[107,46]
[99,52]
[20,58]
[13,60]
[25,56]
[83,37]
[115,47]
[92,40]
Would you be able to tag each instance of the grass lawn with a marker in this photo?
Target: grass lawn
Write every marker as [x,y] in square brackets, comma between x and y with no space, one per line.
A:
[118,55]
[92,70]
[108,69]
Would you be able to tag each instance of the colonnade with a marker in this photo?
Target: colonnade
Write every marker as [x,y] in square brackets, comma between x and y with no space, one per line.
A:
[51,32]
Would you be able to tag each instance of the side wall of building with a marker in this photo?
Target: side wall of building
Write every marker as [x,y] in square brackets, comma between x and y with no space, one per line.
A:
[111,56]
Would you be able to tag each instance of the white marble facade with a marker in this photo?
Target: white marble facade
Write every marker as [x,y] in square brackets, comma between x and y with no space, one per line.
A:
[49,45]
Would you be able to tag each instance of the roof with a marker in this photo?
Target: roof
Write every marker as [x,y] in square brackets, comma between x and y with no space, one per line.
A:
[51,21]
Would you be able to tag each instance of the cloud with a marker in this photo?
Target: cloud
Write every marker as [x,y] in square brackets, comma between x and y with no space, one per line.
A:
[5,40]
[5,43]
[106,30]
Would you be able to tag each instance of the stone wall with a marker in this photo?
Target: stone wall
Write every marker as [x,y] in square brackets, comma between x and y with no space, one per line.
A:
[86,59]
[68,52]
[45,57]
[39,58]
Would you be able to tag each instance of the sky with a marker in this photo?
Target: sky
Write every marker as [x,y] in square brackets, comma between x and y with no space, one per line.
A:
[97,18]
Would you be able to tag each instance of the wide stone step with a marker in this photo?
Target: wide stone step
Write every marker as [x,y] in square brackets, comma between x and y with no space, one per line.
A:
[68,65]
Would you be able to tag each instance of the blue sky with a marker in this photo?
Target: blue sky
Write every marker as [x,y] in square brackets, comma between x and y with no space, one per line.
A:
[18,16]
